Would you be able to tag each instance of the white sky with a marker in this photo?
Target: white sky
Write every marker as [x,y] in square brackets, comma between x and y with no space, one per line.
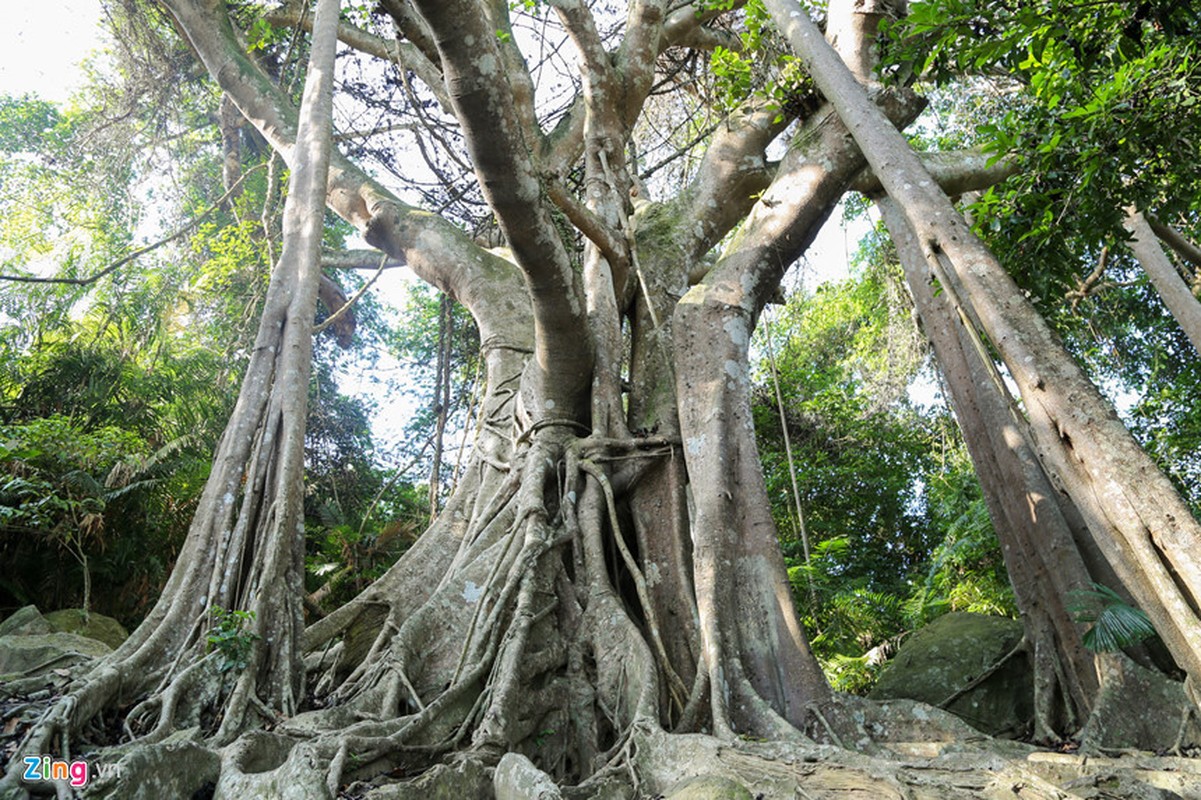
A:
[42,43]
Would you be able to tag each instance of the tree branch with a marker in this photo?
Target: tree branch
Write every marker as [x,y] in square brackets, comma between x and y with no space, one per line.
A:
[1176,240]
[488,112]
[686,27]
[410,25]
[1092,282]
[732,174]
[437,251]
[809,182]
[405,54]
[589,224]
[957,172]
[341,311]
[358,259]
[1173,291]
[638,53]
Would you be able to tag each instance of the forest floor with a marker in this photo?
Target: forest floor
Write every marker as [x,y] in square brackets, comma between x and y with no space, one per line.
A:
[852,748]
[915,752]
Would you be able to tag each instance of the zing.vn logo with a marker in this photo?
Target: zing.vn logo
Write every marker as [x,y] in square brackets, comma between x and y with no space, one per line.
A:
[41,768]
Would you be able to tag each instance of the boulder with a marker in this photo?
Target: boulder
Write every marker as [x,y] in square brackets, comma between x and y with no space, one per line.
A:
[516,778]
[1138,709]
[952,653]
[181,768]
[35,654]
[92,625]
[25,621]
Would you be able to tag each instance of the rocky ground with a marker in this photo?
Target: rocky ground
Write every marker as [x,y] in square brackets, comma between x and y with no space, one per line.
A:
[900,747]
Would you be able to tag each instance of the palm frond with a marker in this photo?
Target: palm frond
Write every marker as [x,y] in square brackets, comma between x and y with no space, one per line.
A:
[1115,623]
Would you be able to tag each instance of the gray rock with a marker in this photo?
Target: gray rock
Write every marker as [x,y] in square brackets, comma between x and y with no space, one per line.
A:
[154,771]
[517,778]
[35,654]
[25,621]
[709,787]
[1138,709]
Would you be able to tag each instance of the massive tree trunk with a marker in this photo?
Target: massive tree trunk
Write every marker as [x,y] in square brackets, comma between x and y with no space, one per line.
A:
[241,571]
[1030,516]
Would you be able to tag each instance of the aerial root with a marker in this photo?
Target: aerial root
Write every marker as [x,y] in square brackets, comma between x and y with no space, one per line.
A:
[391,702]
[503,549]
[678,691]
[61,719]
[490,663]
[492,597]
[1187,713]
[813,709]
[690,719]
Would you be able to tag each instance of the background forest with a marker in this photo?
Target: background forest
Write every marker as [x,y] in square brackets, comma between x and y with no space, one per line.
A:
[133,230]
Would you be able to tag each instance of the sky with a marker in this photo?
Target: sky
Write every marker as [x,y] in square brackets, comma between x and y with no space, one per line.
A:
[42,43]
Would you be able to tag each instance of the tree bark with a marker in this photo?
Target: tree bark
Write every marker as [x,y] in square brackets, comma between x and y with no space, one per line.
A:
[608,567]
[471,55]
[245,547]
[1180,302]
[761,670]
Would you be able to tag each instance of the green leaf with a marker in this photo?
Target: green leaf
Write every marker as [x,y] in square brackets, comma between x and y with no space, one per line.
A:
[1115,623]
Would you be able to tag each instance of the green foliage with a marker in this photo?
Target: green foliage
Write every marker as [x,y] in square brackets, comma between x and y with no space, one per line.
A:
[29,126]
[261,35]
[1115,624]
[414,343]
[230,639]
[733,79]
[55,475]
[966,569]
[143,364]
[844,370]
[57,206]
[102,497]
[119,385]
[346,554]
[845,618]
[1099,105]
[762,70]
[898,527]
[850,673]
[1099,101]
